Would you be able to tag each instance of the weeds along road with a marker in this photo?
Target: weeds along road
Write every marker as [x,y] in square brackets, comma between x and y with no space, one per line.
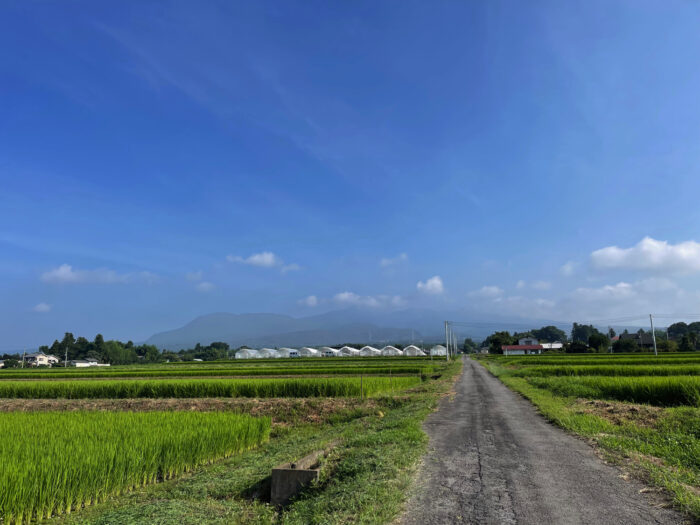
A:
[493,459]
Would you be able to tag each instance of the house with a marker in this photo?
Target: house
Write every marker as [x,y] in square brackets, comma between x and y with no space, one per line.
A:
[528,341]
[521,349]
[40,359]
[644,340]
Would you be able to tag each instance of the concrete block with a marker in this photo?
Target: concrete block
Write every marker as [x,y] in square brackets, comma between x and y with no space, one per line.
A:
[289,478]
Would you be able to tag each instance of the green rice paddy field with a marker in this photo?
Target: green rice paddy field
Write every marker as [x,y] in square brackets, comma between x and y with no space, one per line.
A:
[72,465]
[643,411]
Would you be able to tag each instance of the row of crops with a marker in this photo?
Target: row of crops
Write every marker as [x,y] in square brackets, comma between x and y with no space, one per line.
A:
[55,462]
[221,371]
[667,380]
[192,388]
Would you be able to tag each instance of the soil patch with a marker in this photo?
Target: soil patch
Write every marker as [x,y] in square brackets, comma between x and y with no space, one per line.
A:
[283,411]
[620,413]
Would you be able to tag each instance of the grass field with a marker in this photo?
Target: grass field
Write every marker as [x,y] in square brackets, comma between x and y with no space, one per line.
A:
[85,464]
[642,411]
[54,462]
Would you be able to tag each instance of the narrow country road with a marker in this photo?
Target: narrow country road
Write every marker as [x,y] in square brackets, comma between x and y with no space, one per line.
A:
[493,459]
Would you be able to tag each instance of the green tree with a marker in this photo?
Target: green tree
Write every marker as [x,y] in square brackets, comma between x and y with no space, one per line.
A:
[549,334]
[581,332]
[685,345]
[677,330]
[498,339]
[469,345]
[625,346]
[599,341]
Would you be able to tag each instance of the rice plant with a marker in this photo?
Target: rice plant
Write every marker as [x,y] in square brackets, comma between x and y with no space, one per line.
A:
[55,462]
[191,388]
[664,391]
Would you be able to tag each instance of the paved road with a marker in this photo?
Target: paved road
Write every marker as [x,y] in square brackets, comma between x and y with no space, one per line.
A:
[494,460]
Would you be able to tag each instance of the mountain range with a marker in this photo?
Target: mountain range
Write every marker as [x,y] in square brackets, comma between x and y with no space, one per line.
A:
[333,328]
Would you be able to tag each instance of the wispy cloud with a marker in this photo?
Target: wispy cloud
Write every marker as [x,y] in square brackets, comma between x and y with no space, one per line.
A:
[42,308]
[650,255]
[392,261]
[487,292]
[66,274]
[309,301]
[264,260]
[371,301]
[204,286]
[194,276]
[568,269]
[432,286]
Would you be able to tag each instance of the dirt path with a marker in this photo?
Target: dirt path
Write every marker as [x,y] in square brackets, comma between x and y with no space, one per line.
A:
[494,460]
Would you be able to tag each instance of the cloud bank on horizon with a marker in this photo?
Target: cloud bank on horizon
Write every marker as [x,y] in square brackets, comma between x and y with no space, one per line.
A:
[298,159]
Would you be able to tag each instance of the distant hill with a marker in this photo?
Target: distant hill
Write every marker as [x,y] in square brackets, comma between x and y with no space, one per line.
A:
[333,328]
[274,330]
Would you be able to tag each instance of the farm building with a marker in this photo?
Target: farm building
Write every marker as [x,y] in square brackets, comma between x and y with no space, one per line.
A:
[309,352]
[330,352]
[83,363]
[247,353]
[552,346]
[521,349]
[391,351]
[348,351]
[288,352]
[413,351]
[267,353]
[369,351]
[438,350]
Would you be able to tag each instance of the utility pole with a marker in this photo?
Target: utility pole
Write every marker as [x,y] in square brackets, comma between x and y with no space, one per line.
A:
[447,343]
[65,361]
[653,335]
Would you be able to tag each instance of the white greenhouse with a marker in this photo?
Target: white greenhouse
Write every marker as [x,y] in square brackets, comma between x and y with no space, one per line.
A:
[369,351]
[438,350]
[348,351]
[391,351]
[413,351]
[247,353]
[309,352]
[288,352]
[330,352]
[267,353]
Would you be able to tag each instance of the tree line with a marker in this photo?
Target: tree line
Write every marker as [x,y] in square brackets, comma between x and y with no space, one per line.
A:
[122,353]
[586,338]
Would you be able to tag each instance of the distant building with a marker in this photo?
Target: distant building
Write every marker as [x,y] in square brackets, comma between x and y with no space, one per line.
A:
[40,359]
[644,340]
[521,349]
[84,363]
[528,341]
[552,346]
[2,364]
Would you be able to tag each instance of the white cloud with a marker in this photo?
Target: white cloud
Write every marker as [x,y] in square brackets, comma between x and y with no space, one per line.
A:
[194,276]
[650,255]
[391,261]
[541,285]
[487,292]
[520,284]
[568,269]
[310,301]
[42,308]
[204,286]
[433,286]
[264,260]
[371,301]
[67,274]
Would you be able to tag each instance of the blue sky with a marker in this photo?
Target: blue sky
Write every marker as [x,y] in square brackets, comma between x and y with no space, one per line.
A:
[162,160]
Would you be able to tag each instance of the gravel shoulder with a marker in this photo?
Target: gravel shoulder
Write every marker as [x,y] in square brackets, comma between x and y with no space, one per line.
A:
[493,459]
